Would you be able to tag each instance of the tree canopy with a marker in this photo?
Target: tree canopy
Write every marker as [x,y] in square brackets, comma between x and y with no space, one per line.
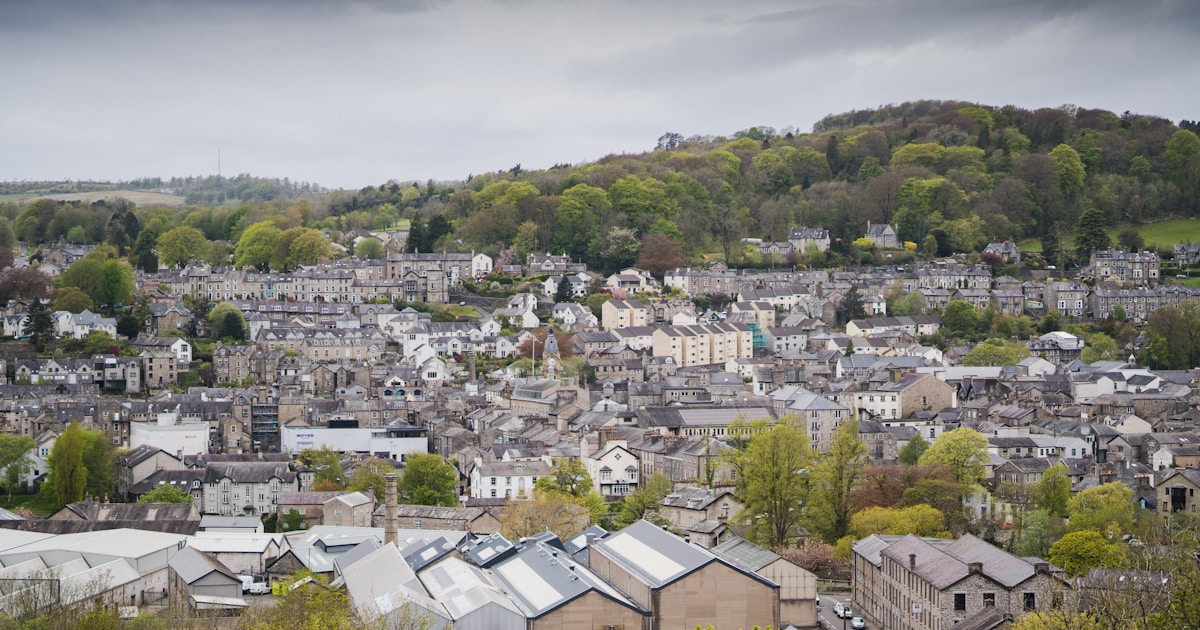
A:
[429,480]
[963,451]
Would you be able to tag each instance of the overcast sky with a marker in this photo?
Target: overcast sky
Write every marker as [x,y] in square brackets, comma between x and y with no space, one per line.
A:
[349,94]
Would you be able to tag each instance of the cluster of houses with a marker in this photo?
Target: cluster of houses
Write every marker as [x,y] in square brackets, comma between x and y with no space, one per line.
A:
[657,386]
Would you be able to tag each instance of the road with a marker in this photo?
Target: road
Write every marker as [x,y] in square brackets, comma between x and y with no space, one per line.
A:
[826,615]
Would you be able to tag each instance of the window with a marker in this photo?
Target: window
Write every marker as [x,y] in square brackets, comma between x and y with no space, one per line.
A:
[960,602]
[989,599]
[493,481]
[493,493]
[1030,601]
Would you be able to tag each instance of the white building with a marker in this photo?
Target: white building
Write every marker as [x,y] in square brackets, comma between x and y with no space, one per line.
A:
[179,439]
[391,443]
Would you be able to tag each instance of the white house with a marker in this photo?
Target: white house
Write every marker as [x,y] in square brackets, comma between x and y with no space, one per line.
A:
[614,469]
[78,325]
[514,480]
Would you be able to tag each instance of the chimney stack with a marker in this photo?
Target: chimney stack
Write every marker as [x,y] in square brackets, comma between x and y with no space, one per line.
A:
[390,518]
[912,561]
[975,567]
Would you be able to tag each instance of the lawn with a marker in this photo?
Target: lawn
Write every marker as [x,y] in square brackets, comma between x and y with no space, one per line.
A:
[1159,235]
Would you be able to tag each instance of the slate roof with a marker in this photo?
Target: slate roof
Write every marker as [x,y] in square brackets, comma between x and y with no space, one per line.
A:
[745,554]
[191,565]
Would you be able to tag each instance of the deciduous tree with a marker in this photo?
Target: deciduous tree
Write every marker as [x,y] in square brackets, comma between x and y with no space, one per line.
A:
[912,451]
[181,245]
[834,478]
[326,464]
[165,493]
[1106,508]
[1081,551]
[429,480]
[963,451]
[67,473]
[73,300]
[773,482]
[14,459]
[370,476]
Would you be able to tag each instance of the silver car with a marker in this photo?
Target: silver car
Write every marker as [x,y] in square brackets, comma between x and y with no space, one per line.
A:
[858,623]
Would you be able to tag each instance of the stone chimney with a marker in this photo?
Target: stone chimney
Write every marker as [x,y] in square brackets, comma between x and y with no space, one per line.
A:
[390,517]
[975,567]
[912,562]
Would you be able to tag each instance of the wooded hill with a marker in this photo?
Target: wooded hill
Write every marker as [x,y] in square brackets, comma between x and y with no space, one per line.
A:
[962,173]
[951,176]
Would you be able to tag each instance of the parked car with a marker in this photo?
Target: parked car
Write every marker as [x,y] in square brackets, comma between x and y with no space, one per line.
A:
[250,584]
[858,623]
[837,609]
[846,613]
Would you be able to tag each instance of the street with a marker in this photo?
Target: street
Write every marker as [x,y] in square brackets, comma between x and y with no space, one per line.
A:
[826,616]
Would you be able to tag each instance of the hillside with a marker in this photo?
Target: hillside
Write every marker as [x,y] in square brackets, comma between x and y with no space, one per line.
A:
[951,176]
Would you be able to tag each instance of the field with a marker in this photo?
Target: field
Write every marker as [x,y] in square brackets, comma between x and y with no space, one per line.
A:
[140,197]
[1160,235]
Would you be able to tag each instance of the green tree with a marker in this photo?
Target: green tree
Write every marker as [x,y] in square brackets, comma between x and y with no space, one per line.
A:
[165,493]
[1057,620]
[996,352]
[526,241]
[225,321]
[562,292]
[67,472]
[569,476]
[429,480]
[773,483]
[180,246]
[1100,347]
[73,300]
[912,451]
[960,318]
[326,464]
[1107,509]
[1049,323]
[1091,233]
[920,520]
[370,249]
[305,246]
[963,451]
[14,459]
[256,246]
[371,476]
[1054,490]
[852,305]
[1183,166]
[580,214]
[116,283]
[1081,551]
[292,521]
[39,324]
[644,503]
[834,478]
[1071,172]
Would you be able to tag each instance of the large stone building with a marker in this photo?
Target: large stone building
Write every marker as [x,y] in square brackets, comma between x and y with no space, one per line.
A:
[913,583]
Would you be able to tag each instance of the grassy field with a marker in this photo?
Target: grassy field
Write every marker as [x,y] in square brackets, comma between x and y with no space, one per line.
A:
[141,198]
[1160,235]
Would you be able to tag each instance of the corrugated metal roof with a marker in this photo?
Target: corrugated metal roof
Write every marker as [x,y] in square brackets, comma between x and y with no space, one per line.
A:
[464,589]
